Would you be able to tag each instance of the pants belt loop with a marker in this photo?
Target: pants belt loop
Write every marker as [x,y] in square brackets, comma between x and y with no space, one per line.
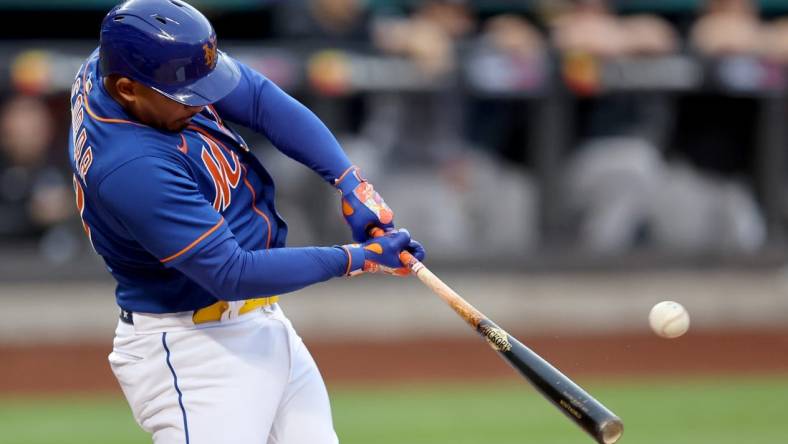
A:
[127,316]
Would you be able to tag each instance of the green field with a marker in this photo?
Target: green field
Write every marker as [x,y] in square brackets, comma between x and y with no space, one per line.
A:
[696,411]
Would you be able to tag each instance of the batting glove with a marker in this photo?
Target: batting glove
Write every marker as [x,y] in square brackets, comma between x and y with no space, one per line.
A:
[362,206]
[382,254]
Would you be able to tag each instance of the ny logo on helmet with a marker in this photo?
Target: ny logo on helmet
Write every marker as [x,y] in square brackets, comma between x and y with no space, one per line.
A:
[209,49]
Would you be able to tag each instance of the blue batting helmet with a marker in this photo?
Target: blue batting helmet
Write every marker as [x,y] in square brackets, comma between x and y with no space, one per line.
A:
[169,46]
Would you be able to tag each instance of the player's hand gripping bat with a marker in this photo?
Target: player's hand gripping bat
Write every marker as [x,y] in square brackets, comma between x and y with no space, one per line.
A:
[588,413]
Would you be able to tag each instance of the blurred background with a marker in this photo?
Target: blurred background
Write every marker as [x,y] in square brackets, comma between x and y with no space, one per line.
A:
[567,164]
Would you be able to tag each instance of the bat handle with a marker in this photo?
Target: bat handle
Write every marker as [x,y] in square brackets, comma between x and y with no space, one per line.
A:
[405,257]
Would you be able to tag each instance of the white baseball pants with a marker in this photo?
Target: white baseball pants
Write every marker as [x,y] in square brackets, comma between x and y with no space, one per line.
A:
[246,380]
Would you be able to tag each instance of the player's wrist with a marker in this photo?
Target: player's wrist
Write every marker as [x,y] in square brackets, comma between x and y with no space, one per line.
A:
[349,180]
[355,258]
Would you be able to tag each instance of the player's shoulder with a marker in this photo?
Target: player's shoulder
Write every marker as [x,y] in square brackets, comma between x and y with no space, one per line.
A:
[140,149]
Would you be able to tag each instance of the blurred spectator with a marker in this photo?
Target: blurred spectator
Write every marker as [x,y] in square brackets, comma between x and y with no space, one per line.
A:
[454,17]
[513,35]
[589,31]
[424,130]
[649,34]
[775,40]
[611,172]
[625,192]
[709,177]
[610,184]
[716,130]
[728,27]
[589,26]
[34,196]
[428,36]
[626,196]
[327,22]
[422,41]
[620,189]
[697,212]
[592,27]
[396,123]
[509,60]
[474,197]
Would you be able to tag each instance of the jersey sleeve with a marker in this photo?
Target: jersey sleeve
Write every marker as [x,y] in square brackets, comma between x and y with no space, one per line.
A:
[296,131]
[161,207]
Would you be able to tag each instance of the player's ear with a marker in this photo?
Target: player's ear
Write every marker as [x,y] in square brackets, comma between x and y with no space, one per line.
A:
[126,88]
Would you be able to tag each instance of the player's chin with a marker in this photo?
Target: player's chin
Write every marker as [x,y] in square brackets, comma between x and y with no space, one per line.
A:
[178,125]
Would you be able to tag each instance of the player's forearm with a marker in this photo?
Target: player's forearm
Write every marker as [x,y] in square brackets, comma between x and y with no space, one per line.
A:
[301,135]
[231,273]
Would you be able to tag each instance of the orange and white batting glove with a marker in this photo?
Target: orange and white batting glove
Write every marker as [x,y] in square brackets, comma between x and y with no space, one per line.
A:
[362,206]
[382,254]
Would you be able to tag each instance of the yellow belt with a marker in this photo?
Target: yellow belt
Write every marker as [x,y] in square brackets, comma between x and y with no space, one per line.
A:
[214,312]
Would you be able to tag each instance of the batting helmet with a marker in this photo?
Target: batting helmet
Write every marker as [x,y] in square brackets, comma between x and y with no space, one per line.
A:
[169,46]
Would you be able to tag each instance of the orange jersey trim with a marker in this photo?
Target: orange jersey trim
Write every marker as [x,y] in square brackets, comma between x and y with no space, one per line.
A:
[105,119]
[342,176]
[215,113]
[257,210]
[183,147]
[220,122]
[193,244]
[349,260]
[97,117]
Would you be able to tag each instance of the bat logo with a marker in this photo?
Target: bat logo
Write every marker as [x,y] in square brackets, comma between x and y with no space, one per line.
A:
[496,337]
[209,50]
[570,409]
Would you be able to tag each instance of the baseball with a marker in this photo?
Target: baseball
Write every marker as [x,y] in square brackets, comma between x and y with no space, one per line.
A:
[669,319]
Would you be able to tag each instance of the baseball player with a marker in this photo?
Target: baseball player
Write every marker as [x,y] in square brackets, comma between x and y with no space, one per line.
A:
[183,215]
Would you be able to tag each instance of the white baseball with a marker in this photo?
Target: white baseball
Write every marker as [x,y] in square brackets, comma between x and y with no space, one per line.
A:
[669,319]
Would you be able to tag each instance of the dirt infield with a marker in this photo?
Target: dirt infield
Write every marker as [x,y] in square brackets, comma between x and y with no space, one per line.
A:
[68,368]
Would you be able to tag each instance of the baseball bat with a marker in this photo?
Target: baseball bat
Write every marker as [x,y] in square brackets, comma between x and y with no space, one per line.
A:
[585,411]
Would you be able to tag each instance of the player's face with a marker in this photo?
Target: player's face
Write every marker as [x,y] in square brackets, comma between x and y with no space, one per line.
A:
[162,112]
[150,107]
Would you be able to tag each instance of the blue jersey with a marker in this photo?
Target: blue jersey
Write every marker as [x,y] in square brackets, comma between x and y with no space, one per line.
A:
[185,219]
